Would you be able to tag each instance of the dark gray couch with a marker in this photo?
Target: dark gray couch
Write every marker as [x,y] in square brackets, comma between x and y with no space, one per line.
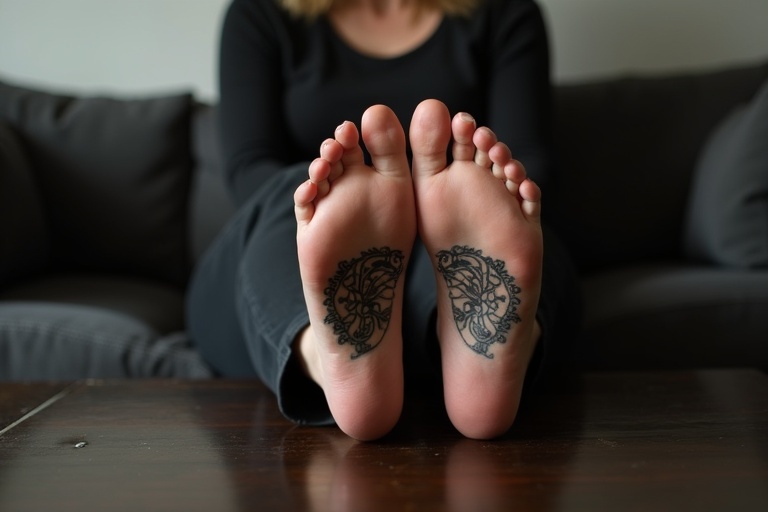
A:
[663,201]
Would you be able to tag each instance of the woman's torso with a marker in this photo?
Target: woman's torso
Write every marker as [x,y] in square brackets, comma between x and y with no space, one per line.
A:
[326,81]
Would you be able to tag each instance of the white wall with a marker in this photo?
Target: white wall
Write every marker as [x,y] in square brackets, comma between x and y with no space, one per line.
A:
[607,37]
[136,46]
[130,46]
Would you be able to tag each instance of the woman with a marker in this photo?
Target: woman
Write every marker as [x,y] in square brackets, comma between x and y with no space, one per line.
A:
[348,271]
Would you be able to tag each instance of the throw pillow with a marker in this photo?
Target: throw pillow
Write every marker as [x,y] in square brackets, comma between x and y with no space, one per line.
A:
[727,220]
[114,177]
[23,237]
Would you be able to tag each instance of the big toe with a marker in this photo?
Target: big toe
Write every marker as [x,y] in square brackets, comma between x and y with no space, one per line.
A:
[430,135]
[385,140]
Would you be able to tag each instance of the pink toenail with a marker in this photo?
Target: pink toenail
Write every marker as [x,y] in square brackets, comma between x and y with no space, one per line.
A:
[341,125]
[467,118]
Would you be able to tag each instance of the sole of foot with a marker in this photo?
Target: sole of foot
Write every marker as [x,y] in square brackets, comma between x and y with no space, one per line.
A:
[479,217]
[355,229]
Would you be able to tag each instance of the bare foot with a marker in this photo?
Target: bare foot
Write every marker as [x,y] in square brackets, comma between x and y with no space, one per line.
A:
[355,228]
[479,218]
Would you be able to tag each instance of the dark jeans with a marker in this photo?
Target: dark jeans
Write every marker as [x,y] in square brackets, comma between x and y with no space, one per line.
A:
[245,305]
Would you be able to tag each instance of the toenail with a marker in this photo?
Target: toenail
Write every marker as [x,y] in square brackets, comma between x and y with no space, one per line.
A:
[341,126]
[467,118]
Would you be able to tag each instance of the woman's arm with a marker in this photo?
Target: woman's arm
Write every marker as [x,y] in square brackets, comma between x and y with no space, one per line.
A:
[252,127]
[519,90]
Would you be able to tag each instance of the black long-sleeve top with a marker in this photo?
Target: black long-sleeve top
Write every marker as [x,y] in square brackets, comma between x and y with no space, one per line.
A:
[286,83]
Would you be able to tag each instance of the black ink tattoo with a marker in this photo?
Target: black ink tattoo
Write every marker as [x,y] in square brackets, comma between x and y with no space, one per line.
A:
[483,296]
[359,298]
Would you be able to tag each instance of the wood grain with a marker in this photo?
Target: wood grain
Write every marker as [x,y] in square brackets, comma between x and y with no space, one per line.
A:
[19,399]
[628,441]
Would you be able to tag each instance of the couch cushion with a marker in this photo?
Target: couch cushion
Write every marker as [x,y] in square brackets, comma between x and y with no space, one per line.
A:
[43,341]
[113,175]
[627,149]
[23,236]
[210,205]
[727,219]
[158,305]
[675,316]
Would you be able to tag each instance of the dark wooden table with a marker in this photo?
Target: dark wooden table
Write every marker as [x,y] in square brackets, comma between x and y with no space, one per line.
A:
[632,441]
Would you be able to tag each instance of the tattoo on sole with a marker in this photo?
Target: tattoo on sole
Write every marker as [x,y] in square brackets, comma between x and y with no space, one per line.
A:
[359,298]
[483,297]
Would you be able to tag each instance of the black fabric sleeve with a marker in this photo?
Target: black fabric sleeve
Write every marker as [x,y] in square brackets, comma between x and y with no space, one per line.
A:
[520,113]
[519,90]
[252,121]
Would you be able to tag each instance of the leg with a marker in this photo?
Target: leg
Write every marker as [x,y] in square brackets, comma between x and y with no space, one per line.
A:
[487,253]
[211,313]
[246,305]
[355,229]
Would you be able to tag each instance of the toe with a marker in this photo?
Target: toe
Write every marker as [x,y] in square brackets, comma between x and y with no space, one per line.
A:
[430,134]
[331,150]
[463,127]
[531,199]
[385,141]
[348,138]
[319,170]
[319,174]
[484,139]
[514,171]
[303,199]
[500,155]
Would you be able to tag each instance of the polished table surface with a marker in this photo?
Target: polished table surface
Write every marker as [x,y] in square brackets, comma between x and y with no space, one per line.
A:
[613,441]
